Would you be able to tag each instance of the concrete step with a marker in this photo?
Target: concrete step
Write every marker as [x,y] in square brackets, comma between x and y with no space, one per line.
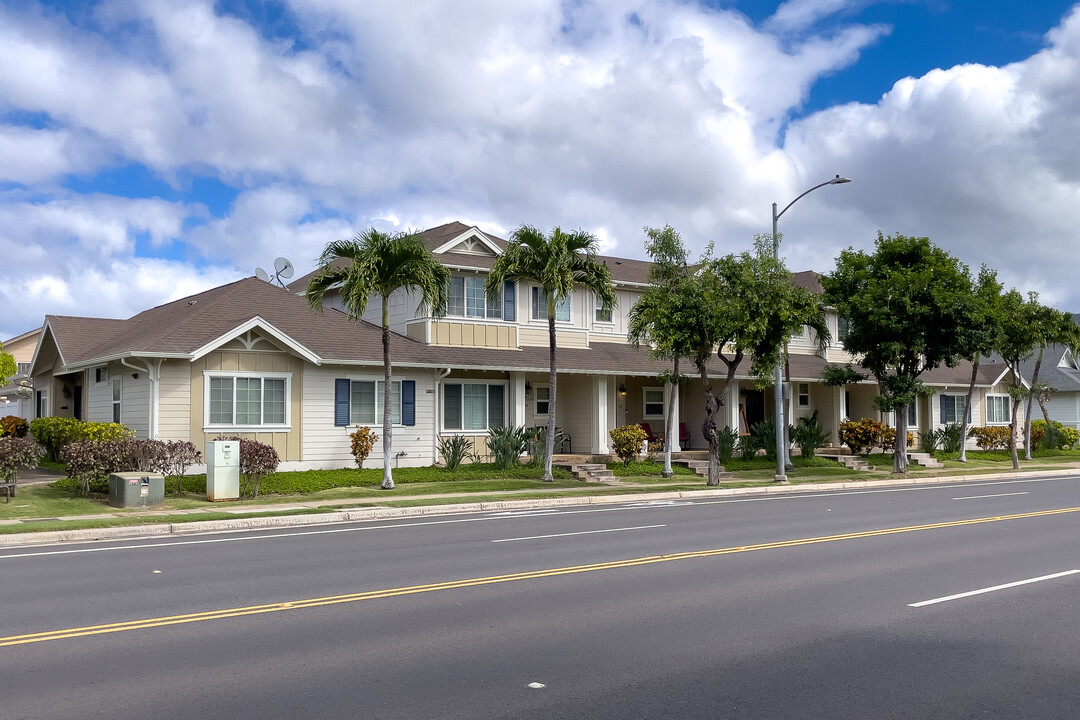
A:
[924,460]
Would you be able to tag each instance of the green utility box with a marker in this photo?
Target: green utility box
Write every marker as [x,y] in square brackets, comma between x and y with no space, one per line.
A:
[136,489]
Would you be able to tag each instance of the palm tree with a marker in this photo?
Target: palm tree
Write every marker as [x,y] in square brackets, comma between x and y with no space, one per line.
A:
[372,264]
[555,263]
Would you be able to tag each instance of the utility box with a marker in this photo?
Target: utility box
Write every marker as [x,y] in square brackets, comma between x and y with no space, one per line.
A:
[223,470]
[136,489]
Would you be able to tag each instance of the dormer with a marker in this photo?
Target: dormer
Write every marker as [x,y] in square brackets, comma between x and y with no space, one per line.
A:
[470,242]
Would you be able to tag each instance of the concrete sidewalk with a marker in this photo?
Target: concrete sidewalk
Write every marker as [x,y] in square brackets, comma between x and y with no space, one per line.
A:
[386,513]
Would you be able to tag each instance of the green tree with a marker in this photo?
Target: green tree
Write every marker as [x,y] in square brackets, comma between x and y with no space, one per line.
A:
[1051,327]
[8,367]
[904,304]
[659,318]
[377,264]
[556,263]
[747,307]
[1017,342]
[980,337]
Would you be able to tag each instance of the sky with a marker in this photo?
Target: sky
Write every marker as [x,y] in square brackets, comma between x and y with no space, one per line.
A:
[150,149]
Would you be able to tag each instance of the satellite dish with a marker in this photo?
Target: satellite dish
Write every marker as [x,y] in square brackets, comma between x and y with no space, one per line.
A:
[262,274]
[283,267]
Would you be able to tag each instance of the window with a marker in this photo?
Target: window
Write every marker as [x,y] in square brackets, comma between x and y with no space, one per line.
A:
[997,409]
[115,399]
[101,374]
[473,406]
[841,328]
[543,399]
[602,315]
[23,367]
[240,400]
[952,408]
[366,402]
[468,298]
[804,394]
[912,419]
[539,306]
[654,402]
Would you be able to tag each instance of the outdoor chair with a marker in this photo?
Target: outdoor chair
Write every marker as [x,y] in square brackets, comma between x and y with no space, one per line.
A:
[652,437]
[684,436]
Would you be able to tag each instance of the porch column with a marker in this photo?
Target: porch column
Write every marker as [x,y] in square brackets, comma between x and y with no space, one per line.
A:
[839,395]
[517,399]
[601,390]
[673,438]
[732,403]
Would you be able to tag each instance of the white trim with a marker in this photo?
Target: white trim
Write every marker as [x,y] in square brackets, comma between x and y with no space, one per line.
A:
[441,401]
[259,322]
[378,398]
[645,404]
[40,342]
[986,412]
[536,399]
[209,427]
[472,232]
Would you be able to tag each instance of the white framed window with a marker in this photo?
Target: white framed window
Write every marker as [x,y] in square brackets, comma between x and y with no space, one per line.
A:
[117,393]
[998,409]
[468,298]
[912,416]
[952,408]
[841,328]
[804,394]
[601,315]
[101,374]
[539,306]
[543,400]
[473,406]
[366,402]
[241,400]
[653,402]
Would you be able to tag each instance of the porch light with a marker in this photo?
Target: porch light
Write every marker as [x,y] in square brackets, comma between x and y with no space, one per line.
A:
[622,389]
[778,379]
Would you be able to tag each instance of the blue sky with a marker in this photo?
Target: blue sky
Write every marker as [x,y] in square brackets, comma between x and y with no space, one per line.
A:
[152,149]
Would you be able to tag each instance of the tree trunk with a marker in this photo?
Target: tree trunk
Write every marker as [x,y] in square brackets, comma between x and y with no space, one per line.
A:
[967,410]
[548,477]
[900,461]
[1027,412]
[387,427]
[1012,431]
[670,430]
[708,426]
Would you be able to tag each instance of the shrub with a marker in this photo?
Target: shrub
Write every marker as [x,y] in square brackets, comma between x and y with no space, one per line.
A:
[726,440]
[860,435]
[537,437]
[809,435]
[887,439]
[952,437]
[86,460]
[15,453]
[13,426]
[1070,436]
[1058,438]
[931,440]
[626,442]
[996,437]
[173,459]
[1038,430]
[507,445]
[453,449]
[363,439]
[749,446]
[52,433]
[257,460]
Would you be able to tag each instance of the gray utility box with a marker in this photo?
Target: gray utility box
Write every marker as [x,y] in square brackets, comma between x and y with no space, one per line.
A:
[136,489]
[223,470]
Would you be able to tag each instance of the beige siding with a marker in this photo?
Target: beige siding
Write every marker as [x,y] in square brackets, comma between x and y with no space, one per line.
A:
[327,446]
[564,337]
[175,409]
[287,444]
[416,331]
[463,334]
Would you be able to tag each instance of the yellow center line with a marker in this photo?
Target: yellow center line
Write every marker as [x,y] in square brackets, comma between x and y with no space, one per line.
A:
[492,580]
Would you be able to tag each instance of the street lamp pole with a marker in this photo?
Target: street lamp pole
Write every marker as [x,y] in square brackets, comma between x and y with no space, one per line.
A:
[778,379]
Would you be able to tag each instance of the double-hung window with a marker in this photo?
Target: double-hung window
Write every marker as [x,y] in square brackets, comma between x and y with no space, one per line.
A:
[654,402]
[952,408]
[804,394]
[540,306]
[468,298]
[602,315]
[360,402]
[246,400]
[543,399]
[116,400]
[473,406]
[997,409]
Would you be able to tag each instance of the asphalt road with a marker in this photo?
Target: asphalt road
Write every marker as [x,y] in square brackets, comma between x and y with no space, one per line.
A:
[790,606]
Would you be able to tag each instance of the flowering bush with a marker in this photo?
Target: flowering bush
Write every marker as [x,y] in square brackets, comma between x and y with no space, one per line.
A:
[887,439]
[626,442]
[13,425]
[17,452]
[363,439]
[257,460]
[860,435]
[993,438]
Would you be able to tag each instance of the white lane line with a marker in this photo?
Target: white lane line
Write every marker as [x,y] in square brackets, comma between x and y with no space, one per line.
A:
[979,497]
[583,532]
[992,589]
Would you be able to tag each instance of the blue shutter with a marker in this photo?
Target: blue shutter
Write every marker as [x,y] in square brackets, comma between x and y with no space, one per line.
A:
[509,296]
[941,409]
[408,402]
[341,402]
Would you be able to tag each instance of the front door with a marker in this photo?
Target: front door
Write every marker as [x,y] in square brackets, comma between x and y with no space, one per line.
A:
[78,402]
[755,407]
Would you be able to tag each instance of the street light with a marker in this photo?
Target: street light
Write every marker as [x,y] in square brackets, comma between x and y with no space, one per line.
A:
[778,379]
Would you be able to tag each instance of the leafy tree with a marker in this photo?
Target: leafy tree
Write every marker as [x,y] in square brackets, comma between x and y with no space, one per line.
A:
[1051,327]
[1017,342]
[8,367]
[904,303]
[659,316]
[980,337]
[377,264]
[746,306]
[557,263]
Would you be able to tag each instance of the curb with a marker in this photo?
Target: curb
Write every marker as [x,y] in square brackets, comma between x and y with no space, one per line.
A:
[391,513]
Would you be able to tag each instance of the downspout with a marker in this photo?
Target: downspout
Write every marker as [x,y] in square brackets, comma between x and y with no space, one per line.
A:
[153,372]
[440,375]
